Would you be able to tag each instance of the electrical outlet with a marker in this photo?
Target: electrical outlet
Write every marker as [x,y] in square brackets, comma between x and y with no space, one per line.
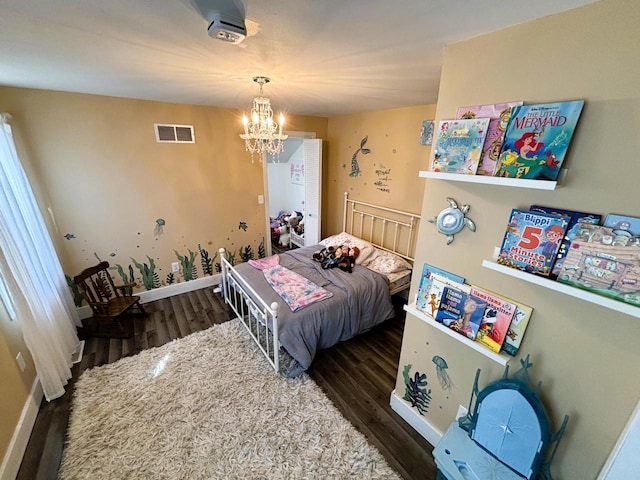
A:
[175,267]
[20,360]
[260,199]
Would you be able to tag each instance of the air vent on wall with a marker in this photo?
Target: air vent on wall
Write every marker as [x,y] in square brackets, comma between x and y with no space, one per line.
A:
[174,133]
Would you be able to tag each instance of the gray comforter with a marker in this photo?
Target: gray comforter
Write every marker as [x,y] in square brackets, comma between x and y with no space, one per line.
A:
[360,301]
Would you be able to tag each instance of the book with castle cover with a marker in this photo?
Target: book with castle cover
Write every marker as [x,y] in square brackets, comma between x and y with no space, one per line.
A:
[461,311]
[536,140]
[601,262]
[532,240]
[574,219]
[458,146]
[438,284]
[496,319]
[499,114]
[422,301]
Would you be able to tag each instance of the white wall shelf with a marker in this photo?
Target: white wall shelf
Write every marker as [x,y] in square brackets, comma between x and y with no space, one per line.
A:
[564,288]
[489,180]
[500,358]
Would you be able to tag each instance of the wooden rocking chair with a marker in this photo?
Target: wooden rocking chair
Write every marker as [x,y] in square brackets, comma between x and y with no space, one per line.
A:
[110,303]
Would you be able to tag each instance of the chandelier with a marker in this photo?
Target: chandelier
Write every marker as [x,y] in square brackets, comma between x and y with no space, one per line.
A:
[261,133]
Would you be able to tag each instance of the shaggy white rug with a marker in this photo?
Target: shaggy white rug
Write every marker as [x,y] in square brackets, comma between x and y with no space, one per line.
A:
[208,406]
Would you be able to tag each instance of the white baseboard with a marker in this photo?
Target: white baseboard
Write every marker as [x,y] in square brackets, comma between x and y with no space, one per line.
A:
[177,288]
[166,291]
[18,445]
[430,433]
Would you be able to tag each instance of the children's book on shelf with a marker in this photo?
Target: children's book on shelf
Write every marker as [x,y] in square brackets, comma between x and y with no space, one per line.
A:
[625,228]
[422,301]
[496,319]
[458,145]
[499,114]
[601,262]
[532,240]
[517,328]
[536,140]
[438,284]
[574,219]
[461,311]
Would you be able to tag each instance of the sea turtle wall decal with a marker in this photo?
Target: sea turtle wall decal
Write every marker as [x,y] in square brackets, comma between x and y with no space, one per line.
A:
[451,220]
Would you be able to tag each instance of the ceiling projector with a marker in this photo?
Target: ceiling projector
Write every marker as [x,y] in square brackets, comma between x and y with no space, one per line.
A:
[226,27]
[225,17]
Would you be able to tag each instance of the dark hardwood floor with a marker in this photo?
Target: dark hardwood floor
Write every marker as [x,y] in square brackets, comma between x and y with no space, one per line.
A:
[358,376]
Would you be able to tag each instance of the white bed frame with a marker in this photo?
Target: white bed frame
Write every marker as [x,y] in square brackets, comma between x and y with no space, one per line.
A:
[386,228]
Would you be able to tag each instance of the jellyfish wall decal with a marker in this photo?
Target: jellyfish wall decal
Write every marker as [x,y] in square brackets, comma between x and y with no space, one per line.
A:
[441,372]
[158,230]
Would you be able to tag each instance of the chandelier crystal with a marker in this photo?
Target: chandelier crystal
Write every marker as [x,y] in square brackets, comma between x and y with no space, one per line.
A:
[261,133]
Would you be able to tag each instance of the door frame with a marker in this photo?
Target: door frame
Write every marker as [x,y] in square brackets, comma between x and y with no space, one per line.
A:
[265,186]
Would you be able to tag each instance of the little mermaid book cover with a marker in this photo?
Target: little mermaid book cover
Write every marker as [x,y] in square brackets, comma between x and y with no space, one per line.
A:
[536,140]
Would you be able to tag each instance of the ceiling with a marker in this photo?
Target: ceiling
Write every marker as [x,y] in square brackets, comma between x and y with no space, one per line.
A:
[325,58]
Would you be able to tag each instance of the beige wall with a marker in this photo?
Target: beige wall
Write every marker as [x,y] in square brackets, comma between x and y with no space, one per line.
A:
[586,356]
[394,141]
[107,180]
[94,162]
[16,385]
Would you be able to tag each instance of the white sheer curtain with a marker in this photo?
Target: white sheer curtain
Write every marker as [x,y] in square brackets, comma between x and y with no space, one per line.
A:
[33,275]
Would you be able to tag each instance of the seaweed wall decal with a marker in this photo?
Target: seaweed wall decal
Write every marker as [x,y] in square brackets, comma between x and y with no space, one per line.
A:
[216,265]
[123,276]
[205,261]
[150,278]
[355,168]
[189,271]
[261,251]
[416,392]
[77,296]
[170,278]
[246,253]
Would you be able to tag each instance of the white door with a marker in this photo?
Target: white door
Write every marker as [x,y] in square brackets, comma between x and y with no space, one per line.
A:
[312,190]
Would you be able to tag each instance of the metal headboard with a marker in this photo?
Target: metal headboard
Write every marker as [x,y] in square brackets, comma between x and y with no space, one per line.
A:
[386,228]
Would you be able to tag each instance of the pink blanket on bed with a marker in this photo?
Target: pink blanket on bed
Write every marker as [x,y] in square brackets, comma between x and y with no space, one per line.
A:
[297,291]
[263,263]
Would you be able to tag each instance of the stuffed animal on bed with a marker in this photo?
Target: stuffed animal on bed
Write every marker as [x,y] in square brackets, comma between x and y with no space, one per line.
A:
[343,257]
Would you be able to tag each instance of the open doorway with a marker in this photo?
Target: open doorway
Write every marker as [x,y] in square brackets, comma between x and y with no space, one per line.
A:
[293,186]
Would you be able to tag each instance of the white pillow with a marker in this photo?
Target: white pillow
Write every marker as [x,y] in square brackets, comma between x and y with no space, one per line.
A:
[387,262]
[366,249]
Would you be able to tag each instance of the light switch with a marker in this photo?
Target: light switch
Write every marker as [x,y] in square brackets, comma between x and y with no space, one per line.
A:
[20,361]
